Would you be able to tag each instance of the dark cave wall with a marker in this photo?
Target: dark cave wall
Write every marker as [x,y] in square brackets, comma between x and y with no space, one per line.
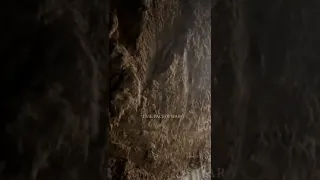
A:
[52,88]
[276,85]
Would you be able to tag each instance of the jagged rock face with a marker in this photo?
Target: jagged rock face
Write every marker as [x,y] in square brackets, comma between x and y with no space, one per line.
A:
[166,72]
[266,89]
[76,89]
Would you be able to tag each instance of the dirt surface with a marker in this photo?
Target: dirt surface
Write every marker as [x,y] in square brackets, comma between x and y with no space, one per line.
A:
[81,82]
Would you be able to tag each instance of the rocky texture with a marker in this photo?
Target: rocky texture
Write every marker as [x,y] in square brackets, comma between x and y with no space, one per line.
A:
[166,71]
[266,89]
[51,88]
[75,87]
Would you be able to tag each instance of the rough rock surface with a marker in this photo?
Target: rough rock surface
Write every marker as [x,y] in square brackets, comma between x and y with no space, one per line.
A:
[266,89]
[78,78]
[165,71]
